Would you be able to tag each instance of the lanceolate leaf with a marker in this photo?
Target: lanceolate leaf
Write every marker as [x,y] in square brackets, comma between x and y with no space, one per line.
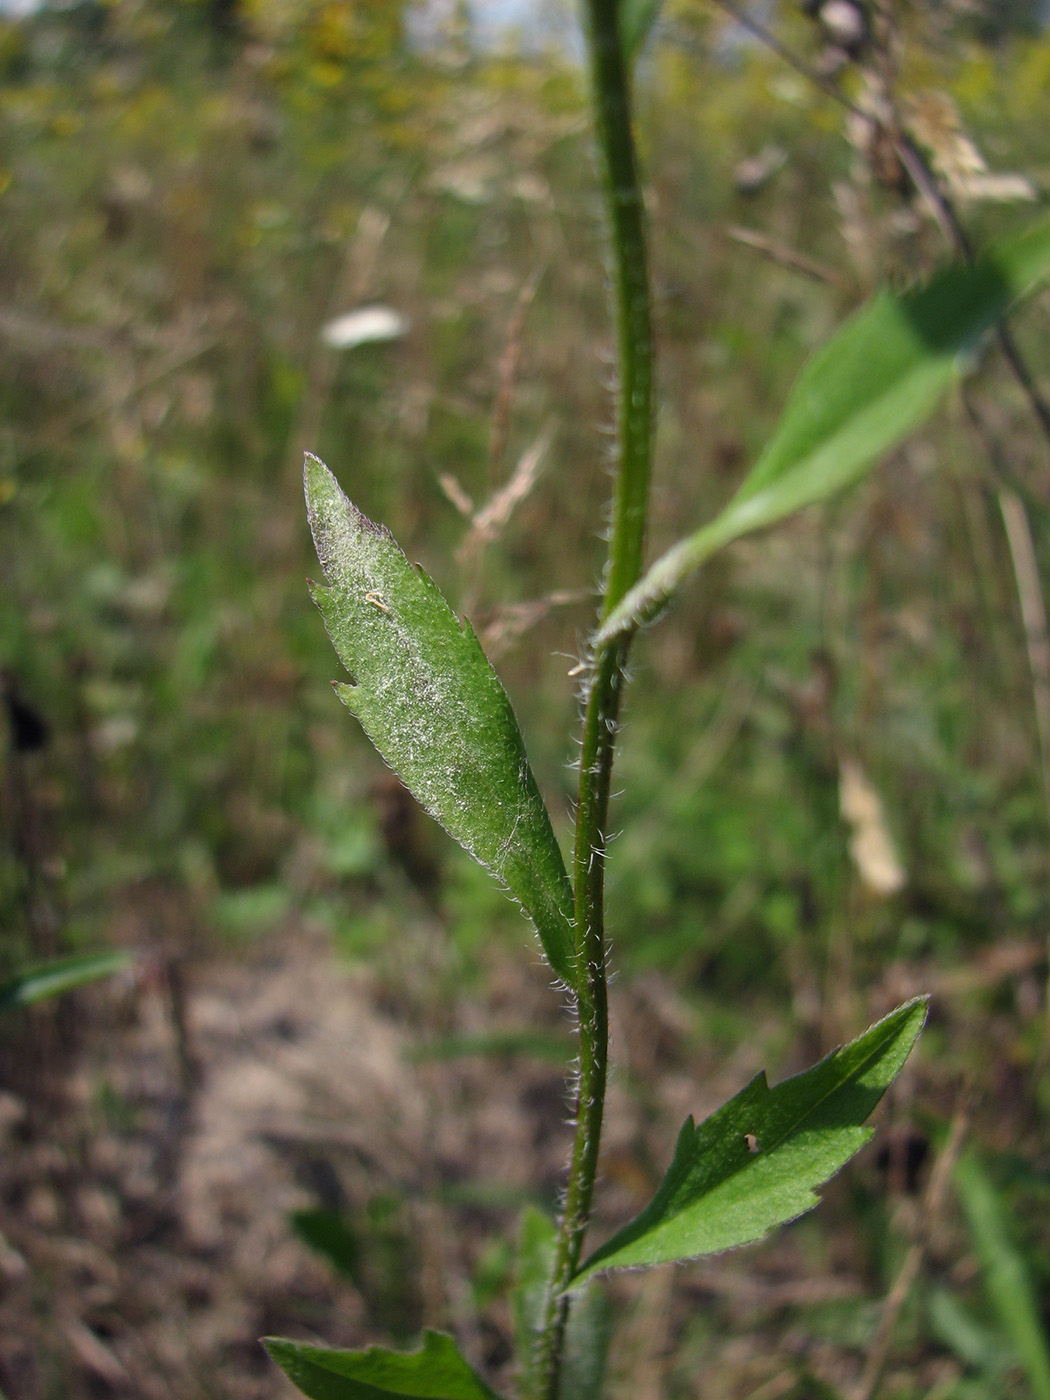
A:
[52,979]
[435,709]
[870,385]
[435,1372]
[757,1161]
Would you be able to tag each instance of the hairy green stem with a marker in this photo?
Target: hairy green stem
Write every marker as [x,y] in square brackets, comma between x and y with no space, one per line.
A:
[625,213]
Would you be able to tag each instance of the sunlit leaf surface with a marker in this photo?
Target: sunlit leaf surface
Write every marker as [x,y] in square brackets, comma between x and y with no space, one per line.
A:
[757,1161]
[859,395]
[435,709]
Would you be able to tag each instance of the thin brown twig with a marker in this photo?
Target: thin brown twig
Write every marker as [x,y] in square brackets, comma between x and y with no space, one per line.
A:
[947,220]
[784,256]
[455,492]
[790,57]
[508,372]
[488,521]
[1023,375]
[511,621]
[491,519]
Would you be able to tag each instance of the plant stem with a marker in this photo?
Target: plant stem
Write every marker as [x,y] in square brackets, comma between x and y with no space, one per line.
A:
[625,214]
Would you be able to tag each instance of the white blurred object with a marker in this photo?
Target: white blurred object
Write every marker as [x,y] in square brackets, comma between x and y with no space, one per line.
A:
[871,845]
[844,22]
[363,327]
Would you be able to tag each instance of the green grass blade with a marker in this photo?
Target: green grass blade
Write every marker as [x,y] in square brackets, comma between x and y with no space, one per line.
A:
[861,393]
[552,1047]
[977,1347]
[431,703]
[53,979]
[637,18]
[1005,1275]
[435,1372]
[757,1161]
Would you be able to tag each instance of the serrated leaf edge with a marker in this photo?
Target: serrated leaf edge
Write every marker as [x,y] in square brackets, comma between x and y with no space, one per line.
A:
[690,1130]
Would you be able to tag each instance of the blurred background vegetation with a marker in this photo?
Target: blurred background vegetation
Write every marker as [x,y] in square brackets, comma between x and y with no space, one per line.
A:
[834,790]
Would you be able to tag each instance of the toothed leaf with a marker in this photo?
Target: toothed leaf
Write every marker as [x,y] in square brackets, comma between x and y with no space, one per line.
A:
[435,1372]
[757,1161]
[429,700]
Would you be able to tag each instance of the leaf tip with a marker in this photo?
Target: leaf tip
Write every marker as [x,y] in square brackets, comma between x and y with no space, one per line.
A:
[921,1005]
[315,475]
[277,1348]
[915,1009]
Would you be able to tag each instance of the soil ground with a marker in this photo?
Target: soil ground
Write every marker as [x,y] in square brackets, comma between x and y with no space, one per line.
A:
[151,1171]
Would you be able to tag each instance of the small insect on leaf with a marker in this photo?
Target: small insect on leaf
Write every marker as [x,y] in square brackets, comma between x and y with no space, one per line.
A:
[431,703]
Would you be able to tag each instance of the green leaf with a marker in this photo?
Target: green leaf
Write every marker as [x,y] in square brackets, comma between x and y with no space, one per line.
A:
[589,1327]
[587,1337]
[536,1244]
[327,1232]
[435,1372]
[861,393]
[1005,1275]
[975,1345]
[435,709]
[756,1162]
[637,18]
[52,979]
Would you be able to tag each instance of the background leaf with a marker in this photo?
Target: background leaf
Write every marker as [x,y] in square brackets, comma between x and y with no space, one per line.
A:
[435,1372]
[859,395]
[52,979]
[435,709]
[590,1321]
[755,1163]
[1005,1275]
[536,1242]
[977,1346]
[327,1232]
[637,18]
